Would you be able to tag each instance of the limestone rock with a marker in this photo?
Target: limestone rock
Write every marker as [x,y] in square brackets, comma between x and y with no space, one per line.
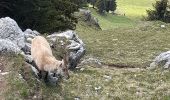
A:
[87,16]
[30,33]
[10,30]
[9,46]
[161,60]
[76,47]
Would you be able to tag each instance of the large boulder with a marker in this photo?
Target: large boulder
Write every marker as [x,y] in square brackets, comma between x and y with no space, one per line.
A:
[10,30]
[9,46]
[76,47]
[15,37]
[13,40]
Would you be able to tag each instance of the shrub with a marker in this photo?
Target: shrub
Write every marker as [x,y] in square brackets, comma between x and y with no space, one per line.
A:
[159,11]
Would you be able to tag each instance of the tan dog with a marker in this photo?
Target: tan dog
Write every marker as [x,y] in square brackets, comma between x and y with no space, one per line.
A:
[44,59]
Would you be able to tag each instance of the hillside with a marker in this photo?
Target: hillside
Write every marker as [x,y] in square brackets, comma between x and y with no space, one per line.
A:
[128,14]
[124,46]
[134,8]
[113,68]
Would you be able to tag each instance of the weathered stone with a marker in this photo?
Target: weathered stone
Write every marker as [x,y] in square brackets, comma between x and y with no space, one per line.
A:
[91,60]
[30,34]
[27,48]
[10,30]
[76,47]
[87,16]
[161,60]
[9,46]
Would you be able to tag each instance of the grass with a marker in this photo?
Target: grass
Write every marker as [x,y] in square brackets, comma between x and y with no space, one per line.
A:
[134,8]
[129,46]
[129,84]
[135,46]
[110,21]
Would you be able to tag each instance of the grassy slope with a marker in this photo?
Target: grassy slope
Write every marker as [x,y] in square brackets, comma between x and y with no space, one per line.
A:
[129,84]
[129,46]
[136,46]
[110,21]
[133,10]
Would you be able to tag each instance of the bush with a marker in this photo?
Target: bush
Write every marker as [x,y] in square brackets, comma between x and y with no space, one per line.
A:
[159,11]
[106,5]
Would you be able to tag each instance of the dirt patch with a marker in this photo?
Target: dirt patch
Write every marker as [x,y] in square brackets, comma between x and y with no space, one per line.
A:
[98,63]
[119,65]
[3,82]
[2,64]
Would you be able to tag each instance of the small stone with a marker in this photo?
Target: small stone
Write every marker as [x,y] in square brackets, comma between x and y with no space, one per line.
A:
[115,39]
[107,77]
[162,26]
[77,98]
[97,88]
[4,73]
[82,69]
[34,97]
[20,76]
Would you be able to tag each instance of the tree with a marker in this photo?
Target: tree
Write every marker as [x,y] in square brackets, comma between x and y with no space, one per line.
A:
[41,15]
[167,13]
[112,5]
[101,5]
[159,10]
[81,3]
[106,5]
[92,2]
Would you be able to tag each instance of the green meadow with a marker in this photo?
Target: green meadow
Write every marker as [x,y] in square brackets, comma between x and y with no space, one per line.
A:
[124,41]
[128,14]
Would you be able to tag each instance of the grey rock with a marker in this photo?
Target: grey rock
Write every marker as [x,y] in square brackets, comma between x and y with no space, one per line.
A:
[77,98]
[76,47]
[161,60]
[97,88]
[10,30]
[8,46]
[30,33]
[4,73]
[87,16]
[107,78]
[27,48]
[91,60]
[28,58]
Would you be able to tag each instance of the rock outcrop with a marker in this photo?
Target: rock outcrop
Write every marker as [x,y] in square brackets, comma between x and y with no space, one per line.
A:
[14,40]
[11,34]
[87,17]
[76,47]
[9,46]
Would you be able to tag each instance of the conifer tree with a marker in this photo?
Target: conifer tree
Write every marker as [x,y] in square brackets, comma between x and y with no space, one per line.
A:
[106,5]
[41,15]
